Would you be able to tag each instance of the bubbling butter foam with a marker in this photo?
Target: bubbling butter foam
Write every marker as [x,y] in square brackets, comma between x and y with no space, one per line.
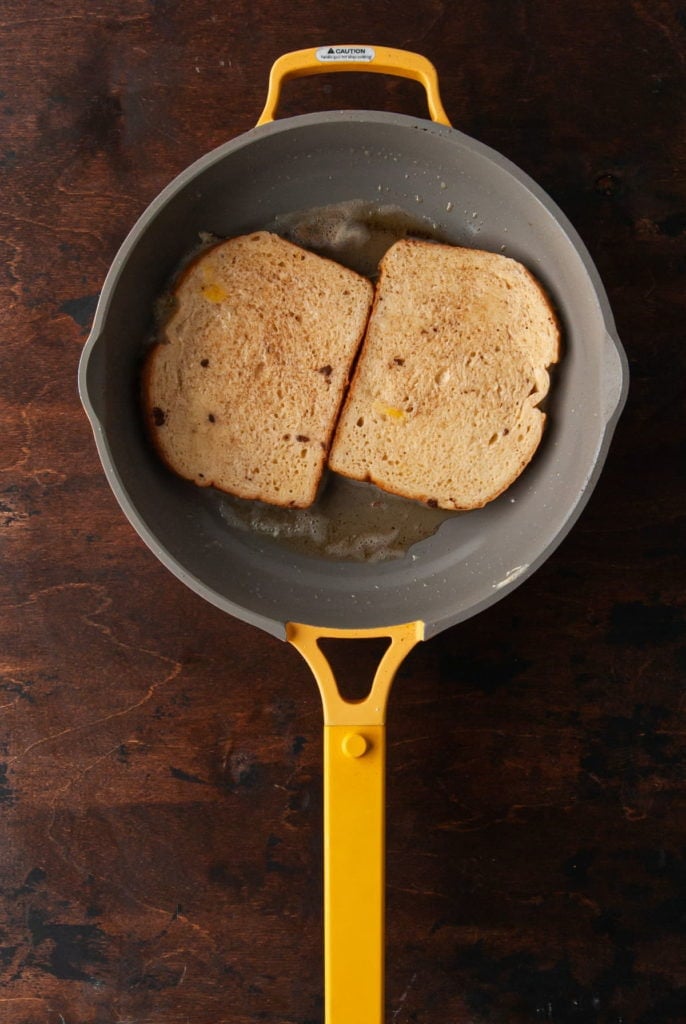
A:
[350,521]
[355,233]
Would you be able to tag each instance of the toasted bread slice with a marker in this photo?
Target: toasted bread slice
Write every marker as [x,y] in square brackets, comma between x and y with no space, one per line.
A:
[443,404]
[244,386]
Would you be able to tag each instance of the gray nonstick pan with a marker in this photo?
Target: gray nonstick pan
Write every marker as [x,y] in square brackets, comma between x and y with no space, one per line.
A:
[450,187]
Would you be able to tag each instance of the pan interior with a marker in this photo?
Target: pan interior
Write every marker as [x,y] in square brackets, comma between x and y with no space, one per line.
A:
[469,196]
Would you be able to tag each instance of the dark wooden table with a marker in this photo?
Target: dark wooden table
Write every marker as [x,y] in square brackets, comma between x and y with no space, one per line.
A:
[160,784]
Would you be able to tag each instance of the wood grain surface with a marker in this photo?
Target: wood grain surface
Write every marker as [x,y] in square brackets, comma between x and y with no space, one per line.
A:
[160,762]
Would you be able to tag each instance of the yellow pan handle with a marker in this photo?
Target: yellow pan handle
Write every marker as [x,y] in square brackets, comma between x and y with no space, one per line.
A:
[384,60]
[354,824]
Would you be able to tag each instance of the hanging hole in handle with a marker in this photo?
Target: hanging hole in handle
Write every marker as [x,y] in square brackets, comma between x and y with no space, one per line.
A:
[354,686]
[402,636]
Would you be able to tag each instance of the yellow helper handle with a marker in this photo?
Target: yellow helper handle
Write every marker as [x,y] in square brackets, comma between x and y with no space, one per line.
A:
[383,60]
[354,824]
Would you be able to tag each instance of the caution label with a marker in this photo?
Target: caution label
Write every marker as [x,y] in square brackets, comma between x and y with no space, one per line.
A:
[336,54]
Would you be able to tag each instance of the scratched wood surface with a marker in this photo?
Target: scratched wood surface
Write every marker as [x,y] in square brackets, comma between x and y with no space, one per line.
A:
[160,765]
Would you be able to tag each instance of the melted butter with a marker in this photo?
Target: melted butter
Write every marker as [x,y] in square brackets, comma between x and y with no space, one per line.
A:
[214,293]
[390,412]
[355,233]
[350,521]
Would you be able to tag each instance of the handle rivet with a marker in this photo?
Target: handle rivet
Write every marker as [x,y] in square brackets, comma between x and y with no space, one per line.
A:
[355,745]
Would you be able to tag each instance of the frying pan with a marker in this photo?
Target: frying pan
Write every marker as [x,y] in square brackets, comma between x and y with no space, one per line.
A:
[470,195]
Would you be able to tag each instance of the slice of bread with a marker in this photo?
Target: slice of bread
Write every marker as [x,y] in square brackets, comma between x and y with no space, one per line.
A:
[243,388]
[443,404]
